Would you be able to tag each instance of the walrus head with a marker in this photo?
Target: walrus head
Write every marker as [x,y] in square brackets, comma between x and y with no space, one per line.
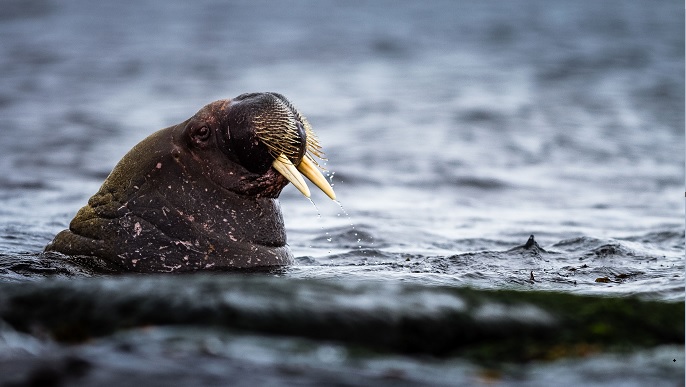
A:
[201,194]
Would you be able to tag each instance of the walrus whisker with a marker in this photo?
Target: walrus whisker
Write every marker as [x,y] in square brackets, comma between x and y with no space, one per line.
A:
[277,129]
[280,126]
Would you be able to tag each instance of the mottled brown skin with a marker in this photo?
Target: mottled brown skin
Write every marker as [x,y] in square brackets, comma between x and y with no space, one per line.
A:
[195,196]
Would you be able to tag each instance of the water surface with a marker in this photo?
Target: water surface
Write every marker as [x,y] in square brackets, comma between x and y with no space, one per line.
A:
[454,131]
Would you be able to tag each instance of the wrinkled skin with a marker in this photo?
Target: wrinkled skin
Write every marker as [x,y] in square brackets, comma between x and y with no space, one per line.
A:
[195,196]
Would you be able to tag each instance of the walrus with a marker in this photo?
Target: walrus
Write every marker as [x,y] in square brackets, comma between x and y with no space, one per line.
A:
[202,194]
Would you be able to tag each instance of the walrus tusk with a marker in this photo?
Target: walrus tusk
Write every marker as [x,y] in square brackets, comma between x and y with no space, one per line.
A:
[309,169]
[287,169]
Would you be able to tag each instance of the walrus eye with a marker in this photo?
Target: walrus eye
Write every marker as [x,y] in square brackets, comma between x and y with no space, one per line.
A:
[201,134]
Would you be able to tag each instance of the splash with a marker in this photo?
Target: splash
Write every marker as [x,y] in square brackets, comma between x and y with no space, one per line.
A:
[319,217]
[319,214]
[359,240]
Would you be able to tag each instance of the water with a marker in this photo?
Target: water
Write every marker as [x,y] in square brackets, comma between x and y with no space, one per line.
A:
[453,131]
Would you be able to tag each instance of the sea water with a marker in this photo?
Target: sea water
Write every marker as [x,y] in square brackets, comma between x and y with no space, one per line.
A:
[455,130]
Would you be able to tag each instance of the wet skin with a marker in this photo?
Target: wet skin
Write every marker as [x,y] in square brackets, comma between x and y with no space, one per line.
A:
[202,194]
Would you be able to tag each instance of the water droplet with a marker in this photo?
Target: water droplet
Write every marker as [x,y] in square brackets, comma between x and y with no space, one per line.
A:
[319,214]
[352,225]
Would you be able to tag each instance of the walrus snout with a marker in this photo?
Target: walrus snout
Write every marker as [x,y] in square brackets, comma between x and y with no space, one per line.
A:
[261,123]
[262,126]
